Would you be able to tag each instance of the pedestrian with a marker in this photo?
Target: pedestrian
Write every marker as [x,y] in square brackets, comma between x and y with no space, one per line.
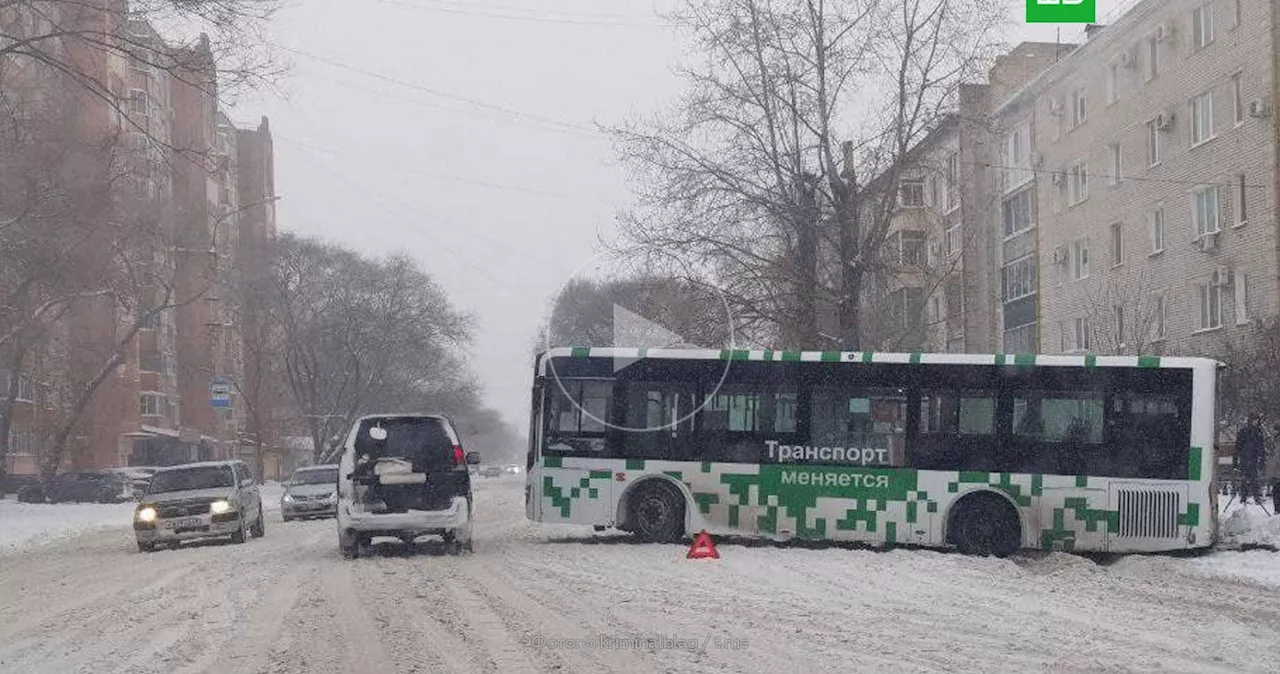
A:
[1273,470]
[1250,453]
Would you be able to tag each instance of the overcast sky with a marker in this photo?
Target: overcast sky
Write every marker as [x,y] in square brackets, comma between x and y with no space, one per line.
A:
[461,132]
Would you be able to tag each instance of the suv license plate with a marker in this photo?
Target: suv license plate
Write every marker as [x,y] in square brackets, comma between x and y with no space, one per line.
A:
[185,523]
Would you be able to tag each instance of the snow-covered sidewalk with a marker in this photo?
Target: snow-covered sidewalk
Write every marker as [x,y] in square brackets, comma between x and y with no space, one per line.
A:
[25,525]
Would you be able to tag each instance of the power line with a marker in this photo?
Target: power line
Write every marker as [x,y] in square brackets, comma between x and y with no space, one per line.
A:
[442,176]
[383,199]
[518,14]
[555,124]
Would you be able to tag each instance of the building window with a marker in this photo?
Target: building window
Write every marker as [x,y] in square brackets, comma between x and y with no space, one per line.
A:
[1078,184]
[912,247]
[1117,321]
[150,404]
[1016,212]
[953,240]
[1161,329]
[1116,163]
[1241,292]
[1202,118]
[1117,243]
[953,181]
[138,103]
[1083,333]
[1157,230]
[908,304]
[1113,82]
[1242,205]
[1202,26]
[1064,338]
[1020,278]
[1153,142]
[1206,210]
[1153,57]
[1079,110]
[911,193]
[1210,300]
[1017,157]
[1237,97]
[1080,259]
[26,391]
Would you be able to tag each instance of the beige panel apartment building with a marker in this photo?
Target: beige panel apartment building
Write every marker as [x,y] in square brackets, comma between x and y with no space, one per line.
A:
[1152,170]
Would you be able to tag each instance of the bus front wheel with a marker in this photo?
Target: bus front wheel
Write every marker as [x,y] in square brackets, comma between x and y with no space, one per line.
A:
[656,513]
[985,525]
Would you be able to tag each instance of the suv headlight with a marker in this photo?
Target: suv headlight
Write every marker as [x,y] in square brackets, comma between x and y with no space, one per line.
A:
[146,514]
[288,498]
[221,506]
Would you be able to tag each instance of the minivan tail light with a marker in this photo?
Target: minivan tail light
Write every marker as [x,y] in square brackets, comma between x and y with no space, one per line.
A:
[459,456]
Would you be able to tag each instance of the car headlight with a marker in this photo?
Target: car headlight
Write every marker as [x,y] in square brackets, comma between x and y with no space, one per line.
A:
[220,507]
[147,514]
[288,498]
[333,496]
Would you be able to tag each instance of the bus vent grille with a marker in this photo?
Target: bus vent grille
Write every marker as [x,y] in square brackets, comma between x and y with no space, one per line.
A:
[1148,513]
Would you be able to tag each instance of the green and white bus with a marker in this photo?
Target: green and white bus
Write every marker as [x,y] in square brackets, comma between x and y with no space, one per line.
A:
[986,453]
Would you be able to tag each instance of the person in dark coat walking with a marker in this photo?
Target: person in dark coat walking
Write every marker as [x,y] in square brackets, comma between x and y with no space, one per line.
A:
[1250,453]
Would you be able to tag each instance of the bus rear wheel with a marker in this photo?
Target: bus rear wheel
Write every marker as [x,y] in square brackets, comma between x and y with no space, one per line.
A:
[985,525]
[655,513]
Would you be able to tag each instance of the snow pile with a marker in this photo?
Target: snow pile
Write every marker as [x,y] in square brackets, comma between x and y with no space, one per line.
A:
[1251,526]
[25,525]
[1257,567]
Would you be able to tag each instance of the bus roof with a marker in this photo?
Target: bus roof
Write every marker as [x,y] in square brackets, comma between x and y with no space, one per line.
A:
[768,355]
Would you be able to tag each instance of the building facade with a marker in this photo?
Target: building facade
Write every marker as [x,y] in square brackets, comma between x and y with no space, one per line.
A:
[173,395]
[1158,153]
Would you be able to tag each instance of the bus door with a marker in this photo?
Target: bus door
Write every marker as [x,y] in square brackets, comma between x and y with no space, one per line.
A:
[575,474]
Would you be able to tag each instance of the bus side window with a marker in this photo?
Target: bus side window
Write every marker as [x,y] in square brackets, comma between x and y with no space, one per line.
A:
[1063,429]
[860,418]
[578,417]
[735,420]
[956,430]
[657,420]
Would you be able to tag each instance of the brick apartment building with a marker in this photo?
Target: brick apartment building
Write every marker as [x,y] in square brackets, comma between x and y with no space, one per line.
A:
[213,184]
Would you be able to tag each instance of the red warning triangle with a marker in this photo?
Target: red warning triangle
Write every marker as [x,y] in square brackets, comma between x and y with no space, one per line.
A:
[703,548]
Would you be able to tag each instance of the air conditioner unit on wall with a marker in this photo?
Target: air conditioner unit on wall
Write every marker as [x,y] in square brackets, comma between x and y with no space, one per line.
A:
[1060,256]
[1059,177]
[1164,32]
[1259,109]
[1056,107]
[1164,121]
[1208,242]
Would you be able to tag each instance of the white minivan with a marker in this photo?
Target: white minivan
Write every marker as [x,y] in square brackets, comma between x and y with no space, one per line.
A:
[404,476]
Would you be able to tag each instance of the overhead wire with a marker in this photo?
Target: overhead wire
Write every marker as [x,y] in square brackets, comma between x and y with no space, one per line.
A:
[553,124]
[520,14]
[442,176]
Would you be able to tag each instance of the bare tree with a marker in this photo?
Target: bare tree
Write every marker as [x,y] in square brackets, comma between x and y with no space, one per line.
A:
[633,311]
[359,334]
[1125,315]
[76,39]
[770,158]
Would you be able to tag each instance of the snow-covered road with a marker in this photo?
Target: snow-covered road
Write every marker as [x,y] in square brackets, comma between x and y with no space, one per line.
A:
[534,600]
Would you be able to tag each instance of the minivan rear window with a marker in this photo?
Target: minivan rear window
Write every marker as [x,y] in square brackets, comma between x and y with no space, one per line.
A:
[422,440]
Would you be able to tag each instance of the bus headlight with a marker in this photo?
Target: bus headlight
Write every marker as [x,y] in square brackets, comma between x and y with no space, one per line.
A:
[147,514]
[221,506]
